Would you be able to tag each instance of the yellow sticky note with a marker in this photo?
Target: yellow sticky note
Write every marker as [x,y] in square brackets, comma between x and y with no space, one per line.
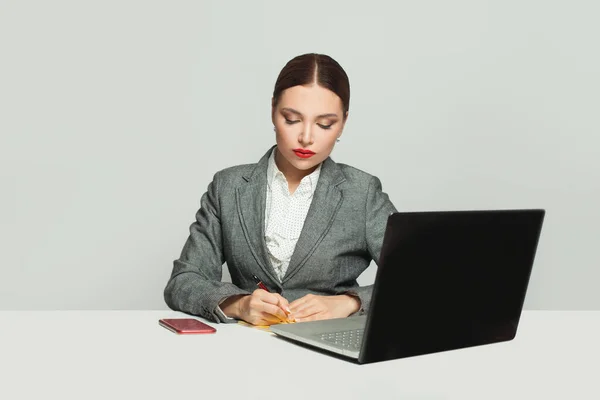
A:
[261,327]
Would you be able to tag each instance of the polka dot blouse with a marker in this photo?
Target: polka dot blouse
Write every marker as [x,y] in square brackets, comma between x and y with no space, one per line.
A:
[285,214]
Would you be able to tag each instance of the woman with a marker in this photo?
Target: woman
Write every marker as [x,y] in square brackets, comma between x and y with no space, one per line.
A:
[305,226]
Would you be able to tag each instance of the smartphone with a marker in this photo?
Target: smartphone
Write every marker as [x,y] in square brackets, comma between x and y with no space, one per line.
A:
[186,325]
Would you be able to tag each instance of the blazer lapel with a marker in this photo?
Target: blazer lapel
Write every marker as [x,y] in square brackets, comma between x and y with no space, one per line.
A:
[326,201]
[251,201]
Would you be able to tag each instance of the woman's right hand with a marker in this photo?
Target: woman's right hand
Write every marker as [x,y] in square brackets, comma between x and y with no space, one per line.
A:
[259,308]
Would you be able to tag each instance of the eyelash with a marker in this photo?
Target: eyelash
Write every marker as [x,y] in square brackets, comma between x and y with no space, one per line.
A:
[287,121]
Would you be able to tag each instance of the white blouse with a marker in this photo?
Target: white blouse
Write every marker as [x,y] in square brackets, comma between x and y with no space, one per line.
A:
[285,214]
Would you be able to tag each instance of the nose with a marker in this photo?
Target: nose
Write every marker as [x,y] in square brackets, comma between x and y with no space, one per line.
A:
[306,136]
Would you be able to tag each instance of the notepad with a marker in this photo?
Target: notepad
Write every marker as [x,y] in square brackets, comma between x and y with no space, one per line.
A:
[259,327]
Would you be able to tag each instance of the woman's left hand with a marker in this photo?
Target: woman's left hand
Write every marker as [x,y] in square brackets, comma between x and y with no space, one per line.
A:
[314,307]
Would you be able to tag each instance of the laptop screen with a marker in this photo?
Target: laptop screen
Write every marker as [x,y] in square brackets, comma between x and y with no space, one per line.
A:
[451,279]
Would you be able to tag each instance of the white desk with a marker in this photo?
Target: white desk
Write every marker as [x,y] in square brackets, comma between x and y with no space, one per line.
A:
[127,355]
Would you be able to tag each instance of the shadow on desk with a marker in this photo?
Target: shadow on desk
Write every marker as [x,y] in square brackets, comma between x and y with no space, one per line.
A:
[318,350]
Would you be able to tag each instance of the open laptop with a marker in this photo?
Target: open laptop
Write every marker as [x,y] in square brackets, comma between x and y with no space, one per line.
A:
[446,280]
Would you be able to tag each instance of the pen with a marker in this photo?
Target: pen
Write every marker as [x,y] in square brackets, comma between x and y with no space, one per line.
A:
[263,287]
[259,283]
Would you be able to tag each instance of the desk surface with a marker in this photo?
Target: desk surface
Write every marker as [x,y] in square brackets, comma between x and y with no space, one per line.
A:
[127,355]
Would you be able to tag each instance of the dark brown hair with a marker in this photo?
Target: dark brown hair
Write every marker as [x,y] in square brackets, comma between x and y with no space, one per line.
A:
[314,68]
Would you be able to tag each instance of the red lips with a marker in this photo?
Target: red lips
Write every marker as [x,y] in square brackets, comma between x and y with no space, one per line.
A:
[303,153]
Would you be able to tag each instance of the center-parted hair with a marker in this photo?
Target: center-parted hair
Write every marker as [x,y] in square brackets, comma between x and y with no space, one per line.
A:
[313,68]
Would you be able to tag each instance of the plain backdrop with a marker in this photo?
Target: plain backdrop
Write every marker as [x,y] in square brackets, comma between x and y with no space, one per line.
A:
[114,116]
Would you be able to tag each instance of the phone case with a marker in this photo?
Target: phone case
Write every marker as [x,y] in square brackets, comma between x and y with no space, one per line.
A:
[186,325]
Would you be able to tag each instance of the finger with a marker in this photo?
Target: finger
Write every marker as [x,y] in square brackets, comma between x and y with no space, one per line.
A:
[263,318]
[284,304]
[303,303]
[275,311]
[271,298]
[297,303]
[261,302]
[306,310]
[277,300]
[310,317]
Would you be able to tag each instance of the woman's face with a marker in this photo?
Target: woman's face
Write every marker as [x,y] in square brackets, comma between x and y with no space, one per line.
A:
[308,120]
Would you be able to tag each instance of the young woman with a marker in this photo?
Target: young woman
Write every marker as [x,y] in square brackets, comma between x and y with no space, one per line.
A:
[302,224]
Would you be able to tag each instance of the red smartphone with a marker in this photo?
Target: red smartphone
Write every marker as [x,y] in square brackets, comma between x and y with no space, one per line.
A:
[186,325]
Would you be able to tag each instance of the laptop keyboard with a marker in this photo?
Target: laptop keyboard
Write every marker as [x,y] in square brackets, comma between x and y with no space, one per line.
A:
[351,339]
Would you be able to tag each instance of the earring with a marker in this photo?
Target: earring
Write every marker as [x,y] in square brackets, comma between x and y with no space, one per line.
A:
[337,140]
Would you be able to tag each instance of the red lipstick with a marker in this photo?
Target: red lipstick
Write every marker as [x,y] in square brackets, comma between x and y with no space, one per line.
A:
[304,153]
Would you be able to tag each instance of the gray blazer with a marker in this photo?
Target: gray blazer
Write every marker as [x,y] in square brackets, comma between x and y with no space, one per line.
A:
[342,233]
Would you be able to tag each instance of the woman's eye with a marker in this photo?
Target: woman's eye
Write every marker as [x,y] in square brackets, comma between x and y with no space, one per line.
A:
[290,122]
[325,126]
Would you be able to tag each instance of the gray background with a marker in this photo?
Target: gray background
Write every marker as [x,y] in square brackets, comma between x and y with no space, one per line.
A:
[114,116]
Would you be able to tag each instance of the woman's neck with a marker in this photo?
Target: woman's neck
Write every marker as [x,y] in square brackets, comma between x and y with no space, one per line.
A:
[292,174]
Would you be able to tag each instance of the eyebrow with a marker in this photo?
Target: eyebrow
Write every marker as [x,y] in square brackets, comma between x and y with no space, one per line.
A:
[299,113]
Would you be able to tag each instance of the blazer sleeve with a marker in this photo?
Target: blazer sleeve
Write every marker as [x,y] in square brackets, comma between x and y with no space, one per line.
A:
[378,208]
[195,285]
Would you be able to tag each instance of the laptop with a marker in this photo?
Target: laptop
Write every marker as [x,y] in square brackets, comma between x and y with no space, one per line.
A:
[446,280]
